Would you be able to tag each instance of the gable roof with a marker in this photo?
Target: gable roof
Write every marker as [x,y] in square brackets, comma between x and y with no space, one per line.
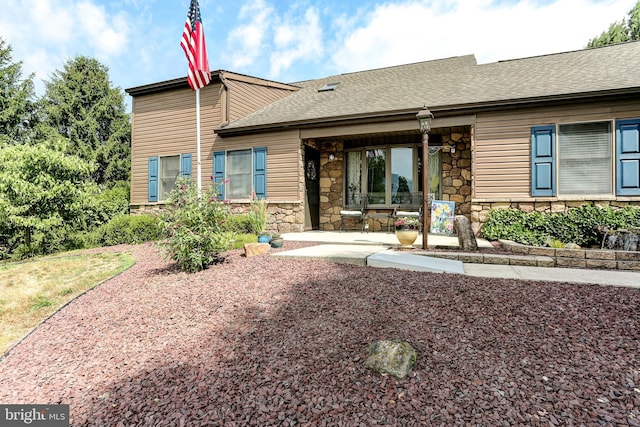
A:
[452,84]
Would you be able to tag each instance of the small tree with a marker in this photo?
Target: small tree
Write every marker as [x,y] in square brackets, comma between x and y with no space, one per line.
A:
[41,190]
[194,227]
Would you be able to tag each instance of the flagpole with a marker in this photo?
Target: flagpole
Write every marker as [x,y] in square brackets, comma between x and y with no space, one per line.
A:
[199,167]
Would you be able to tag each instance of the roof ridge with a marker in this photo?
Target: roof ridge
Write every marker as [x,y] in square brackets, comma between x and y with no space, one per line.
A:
[585,49]
[390,67]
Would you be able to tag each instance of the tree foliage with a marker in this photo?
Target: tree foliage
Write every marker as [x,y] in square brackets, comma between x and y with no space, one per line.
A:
[80,104]
[42,190]
[626,30]
[53,152]
[16,98]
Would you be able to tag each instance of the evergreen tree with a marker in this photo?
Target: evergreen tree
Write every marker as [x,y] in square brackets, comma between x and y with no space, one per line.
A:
[80,104]
[619,32]
[16,99]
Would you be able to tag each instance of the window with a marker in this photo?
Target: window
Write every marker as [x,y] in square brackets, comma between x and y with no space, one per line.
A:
[238,174]
[388,175]
[245,170]
[584,157]
[163,172]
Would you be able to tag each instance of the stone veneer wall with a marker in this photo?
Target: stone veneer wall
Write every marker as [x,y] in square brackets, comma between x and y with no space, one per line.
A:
[455,183]
[282,218]
[456,169]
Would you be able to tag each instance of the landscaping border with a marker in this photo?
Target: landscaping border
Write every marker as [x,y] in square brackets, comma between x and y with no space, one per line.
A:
[536,256]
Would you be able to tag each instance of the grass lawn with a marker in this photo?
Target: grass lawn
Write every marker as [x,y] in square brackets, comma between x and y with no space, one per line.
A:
[32,290]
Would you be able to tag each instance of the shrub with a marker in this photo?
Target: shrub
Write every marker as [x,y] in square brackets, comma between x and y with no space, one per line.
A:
[516,225]
[194,227]
[240,223]
[577,225]
[128,229]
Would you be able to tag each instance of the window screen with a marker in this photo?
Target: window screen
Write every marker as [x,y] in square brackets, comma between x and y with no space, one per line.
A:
[239,174]
[585,159]
[169,170]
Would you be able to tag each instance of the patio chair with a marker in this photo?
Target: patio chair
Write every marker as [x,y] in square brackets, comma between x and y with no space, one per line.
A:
[352,216]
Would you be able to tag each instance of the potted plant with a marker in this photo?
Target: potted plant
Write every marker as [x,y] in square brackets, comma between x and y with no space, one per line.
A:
[264,237]
[407,230]
[276,241]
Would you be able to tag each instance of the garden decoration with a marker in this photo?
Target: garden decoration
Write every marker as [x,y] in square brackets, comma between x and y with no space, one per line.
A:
[407,230]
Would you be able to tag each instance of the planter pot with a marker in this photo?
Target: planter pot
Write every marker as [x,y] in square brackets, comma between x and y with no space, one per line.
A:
[276,243]
[264,238]
[406,237]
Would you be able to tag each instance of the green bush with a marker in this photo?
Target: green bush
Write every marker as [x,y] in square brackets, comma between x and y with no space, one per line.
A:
[240,223]
[128,229]
[194,227]
[516,225]
[577,225]
[105,205]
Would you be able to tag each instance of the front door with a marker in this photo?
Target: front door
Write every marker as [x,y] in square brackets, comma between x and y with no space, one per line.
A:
[312,188]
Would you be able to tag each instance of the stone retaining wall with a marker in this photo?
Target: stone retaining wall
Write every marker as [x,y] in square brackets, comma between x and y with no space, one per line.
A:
[535,256]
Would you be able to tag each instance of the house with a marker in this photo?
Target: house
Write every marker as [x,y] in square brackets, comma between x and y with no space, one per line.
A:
[543,133]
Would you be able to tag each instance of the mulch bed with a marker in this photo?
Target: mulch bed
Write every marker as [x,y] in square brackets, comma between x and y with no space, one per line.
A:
[263,341]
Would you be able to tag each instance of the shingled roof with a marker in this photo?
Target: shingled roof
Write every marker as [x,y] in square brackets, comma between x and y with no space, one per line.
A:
[453,84]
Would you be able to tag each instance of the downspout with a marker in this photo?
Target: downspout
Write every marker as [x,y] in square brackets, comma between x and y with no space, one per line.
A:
[225,110]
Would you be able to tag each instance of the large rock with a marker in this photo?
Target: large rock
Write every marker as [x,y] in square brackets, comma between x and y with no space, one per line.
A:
[255,249]
[391,357]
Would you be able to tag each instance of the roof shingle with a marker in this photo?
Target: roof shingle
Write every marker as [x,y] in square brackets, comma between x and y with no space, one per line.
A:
[453,83]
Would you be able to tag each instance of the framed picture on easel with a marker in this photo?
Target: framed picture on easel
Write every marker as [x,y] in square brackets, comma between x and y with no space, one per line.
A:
[442,213]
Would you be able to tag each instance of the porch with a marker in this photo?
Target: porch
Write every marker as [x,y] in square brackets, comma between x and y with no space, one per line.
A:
[387,168]
[379,238]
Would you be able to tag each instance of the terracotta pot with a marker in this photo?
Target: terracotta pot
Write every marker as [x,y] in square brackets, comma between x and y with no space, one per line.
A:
[406,237]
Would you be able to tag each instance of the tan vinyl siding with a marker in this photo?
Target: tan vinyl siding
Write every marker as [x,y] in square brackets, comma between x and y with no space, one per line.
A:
[165,124]
[283,154]
[502,153]
[246,98]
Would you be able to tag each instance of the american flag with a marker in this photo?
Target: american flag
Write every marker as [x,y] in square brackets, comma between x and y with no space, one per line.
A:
[195,49]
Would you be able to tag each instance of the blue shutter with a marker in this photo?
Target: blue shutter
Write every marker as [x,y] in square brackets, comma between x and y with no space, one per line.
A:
[543,158]
[218,171]
[260,172]
[628,157]
[153,179]
[185,165]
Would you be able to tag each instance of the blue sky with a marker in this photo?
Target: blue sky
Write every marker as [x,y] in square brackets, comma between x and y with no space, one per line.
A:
[290,41]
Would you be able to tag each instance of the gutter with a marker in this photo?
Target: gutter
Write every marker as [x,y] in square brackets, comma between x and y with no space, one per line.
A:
[179,83]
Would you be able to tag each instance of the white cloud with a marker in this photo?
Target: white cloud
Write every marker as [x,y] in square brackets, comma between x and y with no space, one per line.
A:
[297,41]
[415,31]
[46,33]
[246,41]
[106,34]
[52,21]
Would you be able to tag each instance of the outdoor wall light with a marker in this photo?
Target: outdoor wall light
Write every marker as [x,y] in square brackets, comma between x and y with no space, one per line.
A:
[424,117]
[332,156]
